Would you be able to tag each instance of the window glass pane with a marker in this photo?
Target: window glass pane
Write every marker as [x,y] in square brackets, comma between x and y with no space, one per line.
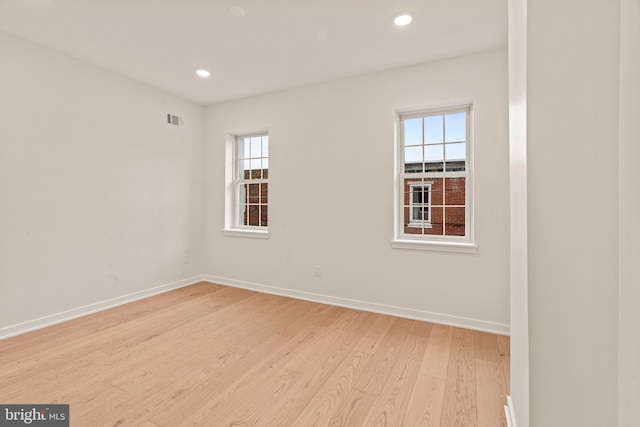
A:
[416,214]
[433,153]
[265,146]
[434,167]
[243,169]
[406,216]
[456,166]
[256,146]
[455,127]
[413,167]
[413,154]
[436,192]
[455,191]
[256,168]
[416,193]
[265,164]
[253,213]
[242,193]
[413,131]
[243,148]
[413,159]
[433,132]
[254,193]
[242,214]
[264,216]
[264,193]
[455,221]
[435,225]
[456,151]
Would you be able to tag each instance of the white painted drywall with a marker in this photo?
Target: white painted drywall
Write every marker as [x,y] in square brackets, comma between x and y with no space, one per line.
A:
[99,198]
[332,190]
[629,179]
[572,141]
[519,385]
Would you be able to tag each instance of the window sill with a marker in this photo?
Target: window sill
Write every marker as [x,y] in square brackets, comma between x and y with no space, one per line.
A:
[237,232]
[419,225]
[456,247]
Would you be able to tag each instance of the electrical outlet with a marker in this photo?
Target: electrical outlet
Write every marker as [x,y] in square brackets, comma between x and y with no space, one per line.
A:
[185,259]
[317,271]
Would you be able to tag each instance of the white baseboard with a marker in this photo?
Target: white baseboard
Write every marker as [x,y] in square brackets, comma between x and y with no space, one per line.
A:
[444,319]
[52,319]
[509,413]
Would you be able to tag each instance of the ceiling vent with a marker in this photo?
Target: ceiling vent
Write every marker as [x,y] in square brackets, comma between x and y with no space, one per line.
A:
[174,120]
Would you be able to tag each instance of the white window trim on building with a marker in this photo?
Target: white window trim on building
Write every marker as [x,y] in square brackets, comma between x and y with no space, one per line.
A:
[425,188]
[402,240]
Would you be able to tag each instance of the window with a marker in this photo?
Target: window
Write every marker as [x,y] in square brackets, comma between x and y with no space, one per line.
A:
[251,182]
[434,197]
[420,202]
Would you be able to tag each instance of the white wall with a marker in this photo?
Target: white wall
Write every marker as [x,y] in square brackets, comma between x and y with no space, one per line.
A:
[518,199]
[99,197]
[331,194]
[629,179]
[572,122]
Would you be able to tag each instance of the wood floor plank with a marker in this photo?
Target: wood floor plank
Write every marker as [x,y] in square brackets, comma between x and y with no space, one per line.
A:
[42,379]
[206,385]
[488,391]
[170,344]
[392,405]
[46,360]
[505,358]
[329,399]
[437,355]
[378,369]
[211,355]
[486,346]
[460,403]
[317,367]
[425,408]
[323,314]
[420,329]
[251,373]
[354,410]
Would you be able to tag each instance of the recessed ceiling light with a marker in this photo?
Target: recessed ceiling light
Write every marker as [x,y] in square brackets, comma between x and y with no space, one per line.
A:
[236,11]
[402,19]
[203,73]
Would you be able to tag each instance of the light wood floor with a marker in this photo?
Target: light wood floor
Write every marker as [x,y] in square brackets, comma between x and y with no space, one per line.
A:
[210,355]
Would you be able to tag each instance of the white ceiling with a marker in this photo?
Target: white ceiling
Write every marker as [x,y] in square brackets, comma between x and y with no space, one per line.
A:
[277,44]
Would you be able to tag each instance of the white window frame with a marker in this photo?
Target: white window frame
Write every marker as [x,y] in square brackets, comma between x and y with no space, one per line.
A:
[425,188]
[402,240]
[235,185]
